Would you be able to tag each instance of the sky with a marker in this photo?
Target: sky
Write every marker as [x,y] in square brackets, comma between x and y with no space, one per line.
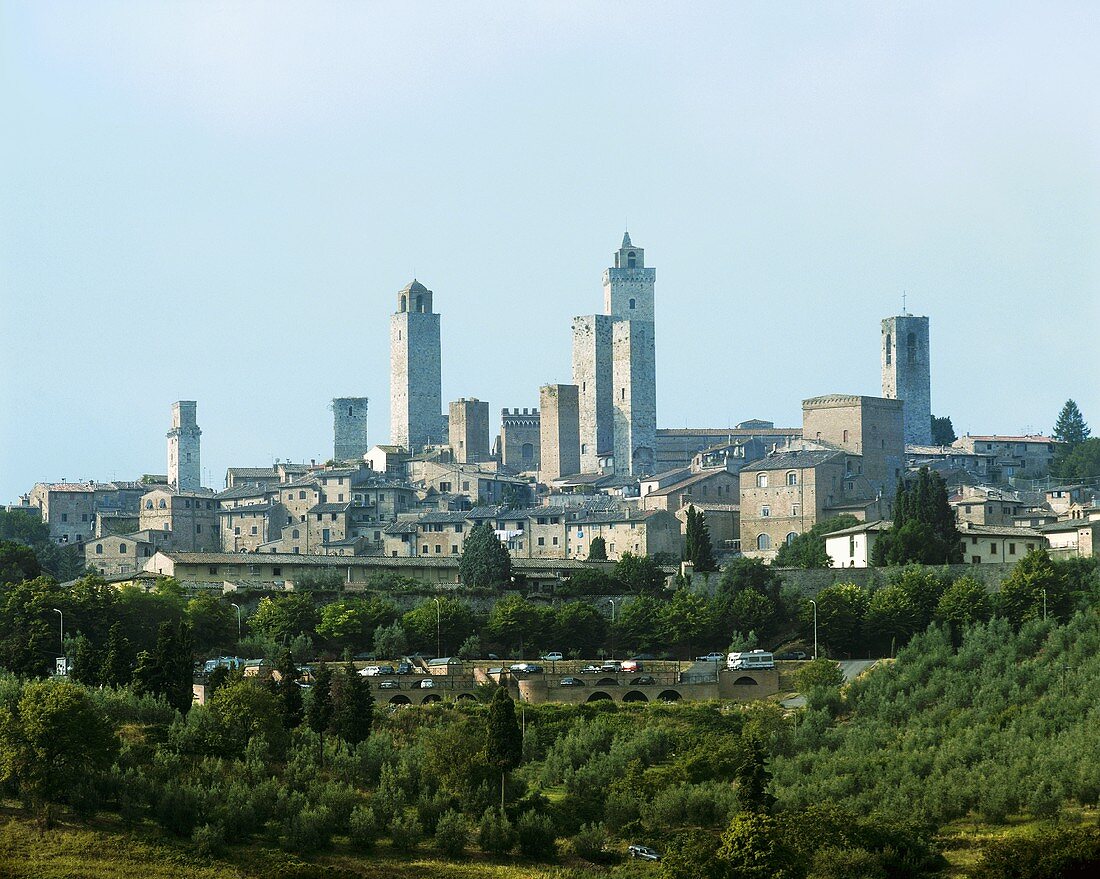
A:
[219,202]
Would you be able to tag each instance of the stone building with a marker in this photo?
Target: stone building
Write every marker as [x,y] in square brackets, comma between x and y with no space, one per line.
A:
[906,373]
[559,431]
[1030,456]
[184,473]
[520,441]
[640,532]
[983,544]
[708,486]
[416,395]
[871,427]
[190,516]
[676,447]
[116,554]
[349,428]
[468,425]
[77,511]
[614,369]
[980,505]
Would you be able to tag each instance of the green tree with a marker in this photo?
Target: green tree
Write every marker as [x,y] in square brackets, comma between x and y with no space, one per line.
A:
[750,611]
[754,847]
[283,618]
[943,432]
[1083,462]
[841,609]
[485,560]
[352,706]
[1033,585]
[17,563]
[287,690]
[638,625]
[517,624]
[456,623]
[389,641]
[29,628]
[963,604]
[118,659]
[350,623]
[698,548]
[54,741]
[753,778]
[807,550]
[243,711]
[892,619]
[819,673]
[504,742]
[319,709]
[87,661]
[688,620]
[597,550]
[639,574]
[924,529]
[745,573]
[61,562]
[167,669]
[213,623]
[581,625]
[1070,428]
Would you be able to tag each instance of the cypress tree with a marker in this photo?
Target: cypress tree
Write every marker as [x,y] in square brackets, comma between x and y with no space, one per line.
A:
[288,691]
[319,711]
[597,550]
[118,658]
[704,553]
[689,535]
[504,745]
[924,529]
[485,560]
[352,706]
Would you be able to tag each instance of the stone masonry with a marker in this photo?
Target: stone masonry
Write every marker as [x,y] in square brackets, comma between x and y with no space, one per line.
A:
[468,425]
[906,373]
[416,372]
[183,447]
[349,428]
[560,430]
[520,439]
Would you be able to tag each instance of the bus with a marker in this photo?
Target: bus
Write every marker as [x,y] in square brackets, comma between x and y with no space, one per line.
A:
[750,659]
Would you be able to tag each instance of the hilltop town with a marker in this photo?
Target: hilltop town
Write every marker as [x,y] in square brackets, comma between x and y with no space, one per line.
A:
[587,462]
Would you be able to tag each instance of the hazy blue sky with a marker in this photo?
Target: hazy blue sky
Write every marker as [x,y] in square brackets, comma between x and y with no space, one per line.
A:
[219,202]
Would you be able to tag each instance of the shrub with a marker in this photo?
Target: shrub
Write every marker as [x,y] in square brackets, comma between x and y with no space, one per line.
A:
[1072,852]
[405,832]
[495,834]
[362,828]
[208,839]
[589,843]
[536,836]
[177,809]
[452,834]
[429,809]
[310,830]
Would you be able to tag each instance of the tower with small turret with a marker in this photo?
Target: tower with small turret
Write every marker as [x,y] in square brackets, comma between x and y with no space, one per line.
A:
[906,373]
[416,371]
[183,447]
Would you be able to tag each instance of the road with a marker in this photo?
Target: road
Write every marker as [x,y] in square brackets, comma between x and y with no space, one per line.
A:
[852,668]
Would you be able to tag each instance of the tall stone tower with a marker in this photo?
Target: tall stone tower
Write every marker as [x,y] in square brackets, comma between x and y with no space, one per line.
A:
[559,426]
[183,448]
[906,373]
[349,428]
[520,439]
[416,371]
[468,426]
[614,366]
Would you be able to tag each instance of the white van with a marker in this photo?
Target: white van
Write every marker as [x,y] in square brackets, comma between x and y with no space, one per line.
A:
[750,659]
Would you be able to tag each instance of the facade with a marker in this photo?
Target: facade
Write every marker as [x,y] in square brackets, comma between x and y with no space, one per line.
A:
[640,532]
[986,506]
[520,439]
[906,373]
[77,511]
[676,447]
[614,369]
[998,543]
[708,486]
[184,473]
[416,371]
[560,431]
[190,516]
[852,547]
[349,428]
[871,427]
[1073,537]
[1030,456]
[115,554]
[468,425]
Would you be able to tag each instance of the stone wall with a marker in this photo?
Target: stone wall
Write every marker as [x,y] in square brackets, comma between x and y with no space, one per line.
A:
[520,439]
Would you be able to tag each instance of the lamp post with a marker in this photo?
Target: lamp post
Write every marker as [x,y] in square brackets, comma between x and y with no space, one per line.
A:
[437,641]
[612,602]
[1044,604]
[57,611]
[814,603]
[238,620]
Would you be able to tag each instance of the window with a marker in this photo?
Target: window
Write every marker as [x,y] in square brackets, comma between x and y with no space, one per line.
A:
[851,546]
[763,542]
[458,527]
[295,534]
[237,530]
[1012,549]
[792,478]
[631,260]
[762,480]
[64,517]
[622,393]
[301,495]
[99,549]
[632,304]
[187,504]
[438,549]
[889,355]
[277,572]
[845,436]
[791,536]
[796,510]
[993,547]
[340,498]
[148,505]
[542,541]
[122,547]
[555,541]
[465,485]
[444,486]
[911,348]
[425,549]
[212,569]
[253,529]
[83,517]
[198,528]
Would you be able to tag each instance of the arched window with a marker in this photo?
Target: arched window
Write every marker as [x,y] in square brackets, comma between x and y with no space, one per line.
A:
[405,305]
[122,547]
[763,541]
[792,477]
[295,533]
[528,451]
[791,537]
[631,260]
[162,504]
[148,505]
[420,303]
[761,480]
[633,303]
[99,549]
[889,353]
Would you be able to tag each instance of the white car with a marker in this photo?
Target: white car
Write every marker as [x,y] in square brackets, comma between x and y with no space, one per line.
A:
[553,657]
[427,684]
[370,671]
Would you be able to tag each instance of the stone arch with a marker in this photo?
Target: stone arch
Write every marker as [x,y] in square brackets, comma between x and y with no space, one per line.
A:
[669,696]
[746,681]
[631,260]
[430,698]
[461,696]
[400,700]
[607,682]
[635,696]
[598,696]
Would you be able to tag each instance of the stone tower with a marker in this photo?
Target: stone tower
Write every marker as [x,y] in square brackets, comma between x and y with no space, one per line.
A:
[559,426]
[906,373]
[349,428]
[416,372]
[468,426]
[614,367]
[520,440]
[183,448]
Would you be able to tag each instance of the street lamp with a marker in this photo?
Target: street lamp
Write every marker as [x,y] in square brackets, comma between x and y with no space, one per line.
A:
[1044,604]
[238,620]
[57,611]
[437,642]
[814,603]
[612,600]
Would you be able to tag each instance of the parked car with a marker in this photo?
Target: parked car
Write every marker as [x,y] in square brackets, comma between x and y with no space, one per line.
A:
[644,681]
[711,657]
[427,684]
[793,654]
[386,670]
[611,666]
[572,682]
[590,669]
[631,666]
[527,668]
[389,685]
[370,671]
[404,668]
[642,851]
[552,657]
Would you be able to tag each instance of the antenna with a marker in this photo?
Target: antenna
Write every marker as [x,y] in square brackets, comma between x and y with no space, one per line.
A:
[903,311]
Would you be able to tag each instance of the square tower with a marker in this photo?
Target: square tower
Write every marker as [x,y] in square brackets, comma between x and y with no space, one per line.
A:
[468,426]
[183,447]
[560,430]
[906,373]
[628,285]
[635,397]
[592,374]
[416,371]
[520,441]
[349,428]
